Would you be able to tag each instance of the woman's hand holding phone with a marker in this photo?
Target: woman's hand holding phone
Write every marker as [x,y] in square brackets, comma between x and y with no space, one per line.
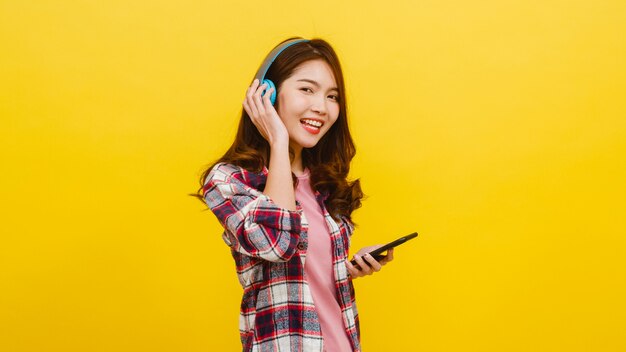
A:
[370,259]
[263,114]
[366,264]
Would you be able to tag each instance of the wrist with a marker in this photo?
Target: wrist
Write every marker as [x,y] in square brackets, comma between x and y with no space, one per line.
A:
[281,145]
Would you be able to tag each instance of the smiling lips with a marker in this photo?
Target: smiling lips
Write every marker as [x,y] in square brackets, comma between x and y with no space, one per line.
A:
[312,126]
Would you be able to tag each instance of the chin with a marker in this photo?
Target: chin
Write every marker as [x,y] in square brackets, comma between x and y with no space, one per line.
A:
[307,143]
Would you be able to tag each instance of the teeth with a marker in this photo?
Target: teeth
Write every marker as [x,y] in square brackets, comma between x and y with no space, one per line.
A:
[313,123]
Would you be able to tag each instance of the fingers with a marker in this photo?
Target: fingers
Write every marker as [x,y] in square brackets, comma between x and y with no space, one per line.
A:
[256,98]
[266,97]
[367,265]
[354,272]
[256,102]
[252,102]
[365,269]
[259,108]
[373,264]
[247,108]
[388,257]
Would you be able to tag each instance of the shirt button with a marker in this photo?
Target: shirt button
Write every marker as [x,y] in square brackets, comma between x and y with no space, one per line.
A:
[301,246]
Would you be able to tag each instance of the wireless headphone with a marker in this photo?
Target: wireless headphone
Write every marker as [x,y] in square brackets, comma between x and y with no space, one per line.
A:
[260,74]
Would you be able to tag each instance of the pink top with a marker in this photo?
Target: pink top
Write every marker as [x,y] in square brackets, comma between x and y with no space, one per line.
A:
[318,269]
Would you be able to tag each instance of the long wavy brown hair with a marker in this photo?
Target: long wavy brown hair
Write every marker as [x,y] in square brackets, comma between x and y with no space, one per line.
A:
[328,161]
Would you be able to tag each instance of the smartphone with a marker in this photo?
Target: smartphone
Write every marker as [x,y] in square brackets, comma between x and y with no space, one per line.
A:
[378,252]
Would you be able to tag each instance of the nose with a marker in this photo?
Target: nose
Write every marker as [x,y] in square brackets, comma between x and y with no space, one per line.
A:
[318,105]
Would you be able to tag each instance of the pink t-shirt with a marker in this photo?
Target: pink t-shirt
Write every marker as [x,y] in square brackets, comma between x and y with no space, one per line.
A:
[318,269]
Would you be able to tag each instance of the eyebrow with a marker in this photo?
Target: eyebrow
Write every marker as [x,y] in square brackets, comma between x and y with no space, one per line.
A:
[314,83]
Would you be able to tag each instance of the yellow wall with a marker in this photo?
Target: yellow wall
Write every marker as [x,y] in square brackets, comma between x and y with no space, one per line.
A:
[494,128]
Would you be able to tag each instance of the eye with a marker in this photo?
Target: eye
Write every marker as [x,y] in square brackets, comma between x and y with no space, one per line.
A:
[306,89]
[334,97]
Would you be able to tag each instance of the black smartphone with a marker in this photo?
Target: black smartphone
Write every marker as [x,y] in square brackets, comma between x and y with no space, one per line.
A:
[378,252]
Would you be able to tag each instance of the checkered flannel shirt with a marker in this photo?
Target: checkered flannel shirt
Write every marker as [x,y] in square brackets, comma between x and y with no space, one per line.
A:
[269,245]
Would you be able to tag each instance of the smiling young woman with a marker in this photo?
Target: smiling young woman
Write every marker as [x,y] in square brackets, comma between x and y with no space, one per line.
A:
[282,195]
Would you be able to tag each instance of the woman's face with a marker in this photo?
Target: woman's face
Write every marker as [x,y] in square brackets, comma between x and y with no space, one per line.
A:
[308,103]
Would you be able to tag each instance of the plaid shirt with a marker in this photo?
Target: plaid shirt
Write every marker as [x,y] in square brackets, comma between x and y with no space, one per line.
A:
[269,245]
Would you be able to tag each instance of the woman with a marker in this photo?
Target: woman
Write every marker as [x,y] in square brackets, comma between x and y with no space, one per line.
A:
[281,193]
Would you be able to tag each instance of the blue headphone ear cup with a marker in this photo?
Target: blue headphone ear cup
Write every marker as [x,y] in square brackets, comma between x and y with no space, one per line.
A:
[270,84]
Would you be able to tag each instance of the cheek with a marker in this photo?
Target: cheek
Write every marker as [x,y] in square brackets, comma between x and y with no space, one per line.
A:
[332,122]
[290,105]
[334,112]
[282,109]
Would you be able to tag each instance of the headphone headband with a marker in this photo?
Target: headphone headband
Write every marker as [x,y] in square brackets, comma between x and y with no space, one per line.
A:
[260,75]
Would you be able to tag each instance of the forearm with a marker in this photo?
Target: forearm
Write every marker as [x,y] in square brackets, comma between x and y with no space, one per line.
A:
[255,225]
[279,185]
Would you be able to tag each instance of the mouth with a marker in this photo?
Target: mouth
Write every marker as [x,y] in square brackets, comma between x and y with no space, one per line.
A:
[312,126]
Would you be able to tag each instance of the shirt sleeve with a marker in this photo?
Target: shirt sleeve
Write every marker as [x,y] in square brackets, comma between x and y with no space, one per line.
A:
[254,225]
[346,225]
[346,228]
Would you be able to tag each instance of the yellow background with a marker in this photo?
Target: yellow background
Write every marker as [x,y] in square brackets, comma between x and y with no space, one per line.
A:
[494,128]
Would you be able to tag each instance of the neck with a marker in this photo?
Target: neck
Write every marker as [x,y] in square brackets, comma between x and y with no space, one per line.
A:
[296,163]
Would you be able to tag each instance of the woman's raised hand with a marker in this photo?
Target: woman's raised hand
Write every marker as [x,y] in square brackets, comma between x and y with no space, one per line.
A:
[367,265]
[263,114]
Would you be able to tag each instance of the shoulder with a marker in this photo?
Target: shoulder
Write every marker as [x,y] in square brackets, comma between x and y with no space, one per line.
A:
[346,226]
[230,173]
[224,171]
